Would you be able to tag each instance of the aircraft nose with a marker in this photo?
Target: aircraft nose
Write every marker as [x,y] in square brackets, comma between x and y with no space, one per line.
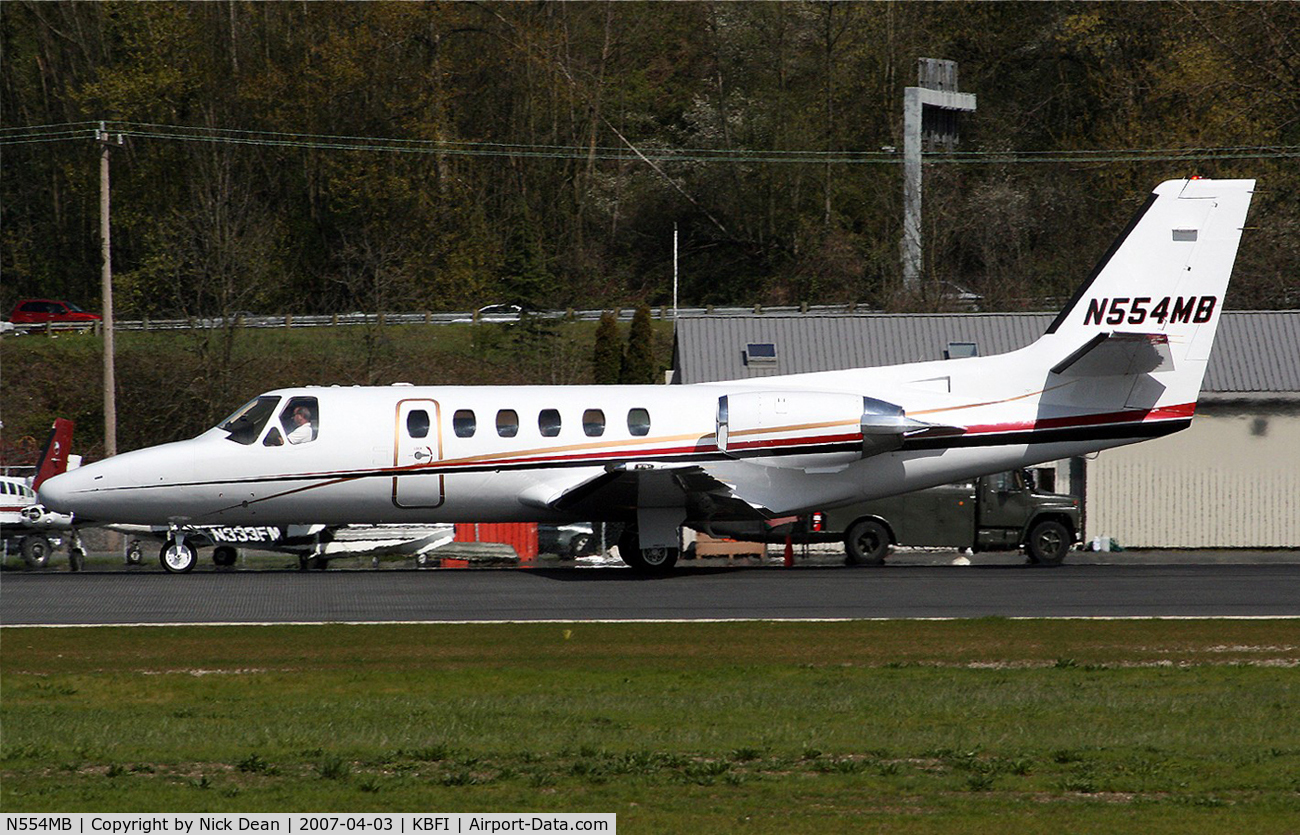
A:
[84,492]
[53,492]
[56,492]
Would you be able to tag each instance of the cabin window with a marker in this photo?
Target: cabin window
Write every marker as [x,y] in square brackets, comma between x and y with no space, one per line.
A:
[593,423]
[417,423]
[548,422]
[299,418]
[463,423]
[507,423]
[638,421]
[246,423]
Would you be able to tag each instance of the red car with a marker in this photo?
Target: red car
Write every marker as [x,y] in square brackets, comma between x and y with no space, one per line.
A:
[40,311]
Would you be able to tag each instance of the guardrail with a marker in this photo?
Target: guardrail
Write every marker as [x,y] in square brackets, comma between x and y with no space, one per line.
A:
[292,320]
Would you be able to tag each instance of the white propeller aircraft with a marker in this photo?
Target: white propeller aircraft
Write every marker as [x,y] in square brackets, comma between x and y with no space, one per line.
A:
[22,519]
[1122,363]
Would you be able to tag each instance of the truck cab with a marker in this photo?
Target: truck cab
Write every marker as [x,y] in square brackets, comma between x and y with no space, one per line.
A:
[1000,512]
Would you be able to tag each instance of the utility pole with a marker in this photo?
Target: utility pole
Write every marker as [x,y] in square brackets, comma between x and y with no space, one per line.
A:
[930,109]
[674,274]
[106,143]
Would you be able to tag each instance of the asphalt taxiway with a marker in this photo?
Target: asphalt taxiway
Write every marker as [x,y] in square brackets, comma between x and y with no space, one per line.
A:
[616,594]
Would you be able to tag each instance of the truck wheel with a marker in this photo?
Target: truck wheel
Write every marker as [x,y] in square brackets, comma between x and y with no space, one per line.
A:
[1048,543]
[35,549]
[866,543]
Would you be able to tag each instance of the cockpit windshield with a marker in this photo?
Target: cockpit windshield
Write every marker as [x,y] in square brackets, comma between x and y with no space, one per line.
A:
[247,421]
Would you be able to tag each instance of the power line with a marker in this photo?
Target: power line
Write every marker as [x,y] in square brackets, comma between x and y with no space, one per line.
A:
[326,142]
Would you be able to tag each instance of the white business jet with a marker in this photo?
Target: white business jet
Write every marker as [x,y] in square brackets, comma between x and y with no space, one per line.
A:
[1122,363]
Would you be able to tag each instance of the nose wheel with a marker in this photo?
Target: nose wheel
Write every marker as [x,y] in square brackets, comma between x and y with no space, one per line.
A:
[178,556]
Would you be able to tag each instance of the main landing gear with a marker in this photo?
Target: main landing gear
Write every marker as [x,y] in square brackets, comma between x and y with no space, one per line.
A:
[35,549]
[224,556]
[645,560]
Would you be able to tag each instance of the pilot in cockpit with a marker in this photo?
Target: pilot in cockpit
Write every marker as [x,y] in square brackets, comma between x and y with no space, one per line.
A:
[301,431]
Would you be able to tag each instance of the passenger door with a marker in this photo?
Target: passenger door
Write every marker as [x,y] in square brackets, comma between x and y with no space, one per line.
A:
[417,449]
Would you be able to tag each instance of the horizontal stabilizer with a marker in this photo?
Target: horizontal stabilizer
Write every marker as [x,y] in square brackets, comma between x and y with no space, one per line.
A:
[1118,354]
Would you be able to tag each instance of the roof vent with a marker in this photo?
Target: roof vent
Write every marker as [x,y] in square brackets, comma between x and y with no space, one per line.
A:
[961,350]
[759,353]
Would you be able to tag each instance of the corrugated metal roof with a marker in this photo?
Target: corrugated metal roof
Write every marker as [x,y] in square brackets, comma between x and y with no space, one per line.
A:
[1254,352]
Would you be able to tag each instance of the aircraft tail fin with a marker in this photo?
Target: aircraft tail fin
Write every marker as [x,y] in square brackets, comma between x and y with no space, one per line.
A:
[54,457]
[1152,305]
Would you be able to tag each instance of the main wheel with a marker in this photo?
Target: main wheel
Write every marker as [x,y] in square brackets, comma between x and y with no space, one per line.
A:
[646,560]
[1048,543]
[35,549]
[224,555]
[178,557]
[76,558]
[580,545]
[133,553]
[866,543]
[311,562]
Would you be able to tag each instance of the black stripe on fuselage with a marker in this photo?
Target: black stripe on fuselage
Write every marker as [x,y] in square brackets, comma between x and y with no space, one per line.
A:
[1136,431]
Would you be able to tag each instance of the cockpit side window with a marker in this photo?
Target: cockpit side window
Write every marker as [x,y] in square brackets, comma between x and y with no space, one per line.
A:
[246,423]
[300,418]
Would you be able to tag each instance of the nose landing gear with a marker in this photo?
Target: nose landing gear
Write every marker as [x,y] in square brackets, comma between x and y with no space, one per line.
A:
[178,556]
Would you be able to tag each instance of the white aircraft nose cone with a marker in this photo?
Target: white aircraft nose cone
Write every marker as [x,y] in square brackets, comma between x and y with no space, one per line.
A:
[56,493]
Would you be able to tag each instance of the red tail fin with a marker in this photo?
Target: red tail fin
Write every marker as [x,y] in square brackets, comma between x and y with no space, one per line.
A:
[54,458]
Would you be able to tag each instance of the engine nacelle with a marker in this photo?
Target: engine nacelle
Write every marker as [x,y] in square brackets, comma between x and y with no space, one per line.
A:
[37,516]
[808,429]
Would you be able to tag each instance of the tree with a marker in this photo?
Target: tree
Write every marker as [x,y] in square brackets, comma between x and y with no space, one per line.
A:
[639,361]
[607,356]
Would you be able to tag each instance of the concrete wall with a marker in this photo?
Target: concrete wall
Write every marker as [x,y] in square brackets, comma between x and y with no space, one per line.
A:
[1232,480]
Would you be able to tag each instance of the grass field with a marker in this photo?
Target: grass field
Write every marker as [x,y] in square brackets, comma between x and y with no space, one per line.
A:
[964,726]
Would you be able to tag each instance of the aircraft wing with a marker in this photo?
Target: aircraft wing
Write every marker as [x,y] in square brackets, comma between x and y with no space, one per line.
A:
[624,487]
